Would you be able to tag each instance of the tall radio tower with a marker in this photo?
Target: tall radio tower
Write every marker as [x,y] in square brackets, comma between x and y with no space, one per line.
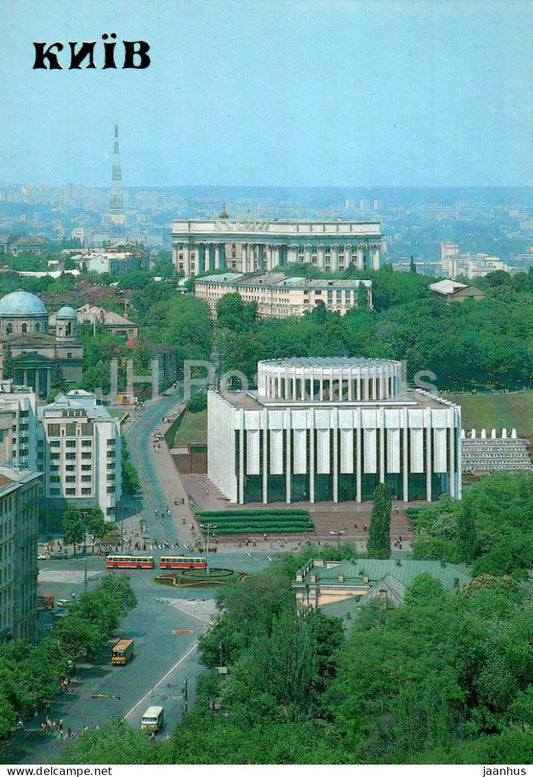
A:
[117,217]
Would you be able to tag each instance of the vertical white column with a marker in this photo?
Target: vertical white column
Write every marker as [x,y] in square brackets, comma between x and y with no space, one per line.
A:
[186,260]
[381,422]
[307,254]
[357,416]
[427,423]
[450,433]
[311,417]
[288,433]
[360,259]
[350,386]
[264,432]
[335,432]
[241,457]
[321,257]
[405,464]
[217,257]
[375,258]
[334,258]
[458,450]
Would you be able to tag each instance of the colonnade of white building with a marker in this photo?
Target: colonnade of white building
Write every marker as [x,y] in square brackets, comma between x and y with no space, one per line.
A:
[201,246]
[354,380]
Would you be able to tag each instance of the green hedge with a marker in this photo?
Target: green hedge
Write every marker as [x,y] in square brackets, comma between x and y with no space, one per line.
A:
[286,529]
[238,513]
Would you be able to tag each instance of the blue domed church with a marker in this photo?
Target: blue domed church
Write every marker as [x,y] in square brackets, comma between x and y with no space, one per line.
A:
[38,356]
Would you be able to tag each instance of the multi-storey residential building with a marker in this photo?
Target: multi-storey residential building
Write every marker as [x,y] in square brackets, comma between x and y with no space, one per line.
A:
[19,507]
[79,453]
[199,245]
[18,426]
[277,296]
[331,429]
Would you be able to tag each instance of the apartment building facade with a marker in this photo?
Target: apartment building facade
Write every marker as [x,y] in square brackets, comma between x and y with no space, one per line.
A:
[277,296]
[79,453]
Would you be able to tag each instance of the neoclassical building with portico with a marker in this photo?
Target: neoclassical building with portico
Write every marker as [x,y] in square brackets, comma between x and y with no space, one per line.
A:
[331,429]
[203,245]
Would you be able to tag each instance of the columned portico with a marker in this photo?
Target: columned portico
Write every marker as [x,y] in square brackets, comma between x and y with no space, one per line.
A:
[201,245]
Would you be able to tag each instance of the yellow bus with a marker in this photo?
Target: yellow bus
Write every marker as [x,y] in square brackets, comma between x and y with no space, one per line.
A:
[122,651]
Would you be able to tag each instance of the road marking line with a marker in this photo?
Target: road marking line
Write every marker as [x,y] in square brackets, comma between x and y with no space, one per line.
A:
[150,692]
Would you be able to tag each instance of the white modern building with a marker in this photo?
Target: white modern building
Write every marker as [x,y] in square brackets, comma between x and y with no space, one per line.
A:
[331,429]
[79,453]
[277,296]
[200,245]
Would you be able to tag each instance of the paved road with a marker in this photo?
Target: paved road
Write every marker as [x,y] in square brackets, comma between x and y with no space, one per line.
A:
[163,658]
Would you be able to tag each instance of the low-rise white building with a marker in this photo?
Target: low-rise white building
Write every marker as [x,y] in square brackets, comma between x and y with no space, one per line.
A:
[79,453]
[331,429]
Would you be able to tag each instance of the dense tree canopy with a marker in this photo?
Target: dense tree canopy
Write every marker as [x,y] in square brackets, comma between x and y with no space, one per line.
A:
[490,527]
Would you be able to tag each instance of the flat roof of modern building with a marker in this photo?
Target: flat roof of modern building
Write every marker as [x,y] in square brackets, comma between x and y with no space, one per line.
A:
[249,400]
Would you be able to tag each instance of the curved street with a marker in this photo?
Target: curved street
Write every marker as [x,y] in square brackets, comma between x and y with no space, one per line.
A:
[165,624]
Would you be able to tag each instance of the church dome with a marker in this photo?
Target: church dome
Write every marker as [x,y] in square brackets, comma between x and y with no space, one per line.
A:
[66,313]
[21,303]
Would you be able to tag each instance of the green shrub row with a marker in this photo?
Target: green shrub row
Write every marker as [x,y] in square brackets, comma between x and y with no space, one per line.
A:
[262,518]
[286,529]
[258,523]
[222,513]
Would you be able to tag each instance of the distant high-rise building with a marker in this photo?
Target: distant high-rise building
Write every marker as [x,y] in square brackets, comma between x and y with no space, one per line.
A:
[448,257]
[117,217]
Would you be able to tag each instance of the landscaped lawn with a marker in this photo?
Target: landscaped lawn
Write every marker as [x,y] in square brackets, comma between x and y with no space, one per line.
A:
[193,428]
[493,411]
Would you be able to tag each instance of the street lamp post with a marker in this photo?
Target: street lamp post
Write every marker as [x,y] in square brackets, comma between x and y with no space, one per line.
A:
[208,527]
[338,535]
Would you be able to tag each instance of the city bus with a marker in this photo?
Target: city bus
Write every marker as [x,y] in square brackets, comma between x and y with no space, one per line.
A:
[121,652]
[152,719]
[183,562]
[130,562]
[45,602]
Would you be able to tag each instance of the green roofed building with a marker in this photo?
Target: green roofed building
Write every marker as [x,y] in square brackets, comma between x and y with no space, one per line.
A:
[329,584]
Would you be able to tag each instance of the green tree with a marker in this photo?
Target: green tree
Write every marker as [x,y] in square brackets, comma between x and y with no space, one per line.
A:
[57,379]
[466,533]
[378,544]
[116,742]
[9,364]
[235,314]
[74,527]
[96,523]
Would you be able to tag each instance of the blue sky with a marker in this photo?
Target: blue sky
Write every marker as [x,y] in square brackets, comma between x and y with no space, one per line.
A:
[274,93]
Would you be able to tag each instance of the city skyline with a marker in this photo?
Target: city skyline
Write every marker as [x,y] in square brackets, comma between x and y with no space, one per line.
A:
[280,93]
